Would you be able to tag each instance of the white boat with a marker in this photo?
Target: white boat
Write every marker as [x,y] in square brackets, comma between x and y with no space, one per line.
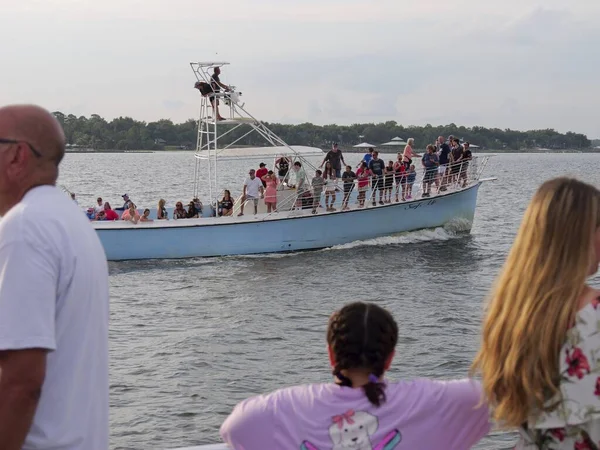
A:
[291,228]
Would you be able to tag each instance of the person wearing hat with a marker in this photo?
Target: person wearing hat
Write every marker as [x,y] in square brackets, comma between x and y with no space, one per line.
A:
[127,203]
[261,172]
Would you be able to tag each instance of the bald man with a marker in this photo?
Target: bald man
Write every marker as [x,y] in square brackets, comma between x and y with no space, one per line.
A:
[53,297]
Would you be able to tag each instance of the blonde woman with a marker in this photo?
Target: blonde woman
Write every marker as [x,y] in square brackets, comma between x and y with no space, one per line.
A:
[540,353]
[409,152]
[161,211]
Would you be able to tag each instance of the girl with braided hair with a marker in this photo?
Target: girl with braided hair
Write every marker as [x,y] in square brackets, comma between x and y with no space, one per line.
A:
[361,410]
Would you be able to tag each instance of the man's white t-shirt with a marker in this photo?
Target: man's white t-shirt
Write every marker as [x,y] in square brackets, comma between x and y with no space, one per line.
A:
[54,296]
[253,187]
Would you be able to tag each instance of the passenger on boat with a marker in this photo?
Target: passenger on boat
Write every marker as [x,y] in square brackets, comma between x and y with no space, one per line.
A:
[198,204]
[270,180]
[389,182]
[109,213]
[253,190]
[363,175]
[91,213]
[541,335]
[336,158]
[444,158]
[329,175]
[192,212]
[318,182]
[282,165]
[300,185]
[100,215]
[361,408]
[400,175]
[226,204]
[348,177]
[127,203]
[99,205]
[410,180]
[467,156]
[161,211]
[430,164]
[456,160]
[179,212]
[131,214]
[367,158]
[409,153]
[216,85]
[261,172]
[377,167]
[146,216]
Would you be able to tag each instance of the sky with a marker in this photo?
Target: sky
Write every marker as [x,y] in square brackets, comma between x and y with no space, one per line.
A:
[520,64]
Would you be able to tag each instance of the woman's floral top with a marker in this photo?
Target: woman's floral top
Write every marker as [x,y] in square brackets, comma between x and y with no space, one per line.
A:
[575,424]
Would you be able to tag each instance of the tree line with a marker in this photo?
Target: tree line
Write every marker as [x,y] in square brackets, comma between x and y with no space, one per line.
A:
[125,133]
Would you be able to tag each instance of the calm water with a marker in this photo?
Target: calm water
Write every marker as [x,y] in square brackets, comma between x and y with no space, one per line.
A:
[191,338]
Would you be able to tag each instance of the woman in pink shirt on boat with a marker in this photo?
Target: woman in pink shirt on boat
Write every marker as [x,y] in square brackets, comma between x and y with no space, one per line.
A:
[409,153]
[270,181]
[363,175]
[131,214]
[361,409]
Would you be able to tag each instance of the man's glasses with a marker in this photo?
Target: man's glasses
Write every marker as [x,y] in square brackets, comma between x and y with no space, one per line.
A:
[12,141]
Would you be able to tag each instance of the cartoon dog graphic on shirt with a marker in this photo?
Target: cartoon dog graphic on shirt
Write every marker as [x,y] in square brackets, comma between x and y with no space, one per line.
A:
[353,430]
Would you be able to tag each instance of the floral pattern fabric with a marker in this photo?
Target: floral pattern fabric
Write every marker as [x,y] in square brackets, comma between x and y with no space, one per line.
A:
[575,423]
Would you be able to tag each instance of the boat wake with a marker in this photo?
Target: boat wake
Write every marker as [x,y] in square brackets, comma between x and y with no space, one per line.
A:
[454,229]
[451,230]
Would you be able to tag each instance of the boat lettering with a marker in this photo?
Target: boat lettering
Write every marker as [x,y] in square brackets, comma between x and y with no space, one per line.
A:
[418,205]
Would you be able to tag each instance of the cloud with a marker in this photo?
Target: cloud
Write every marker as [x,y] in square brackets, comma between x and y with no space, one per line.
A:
[505,64]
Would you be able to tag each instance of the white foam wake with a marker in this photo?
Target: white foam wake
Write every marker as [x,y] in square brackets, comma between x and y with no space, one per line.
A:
[449,231]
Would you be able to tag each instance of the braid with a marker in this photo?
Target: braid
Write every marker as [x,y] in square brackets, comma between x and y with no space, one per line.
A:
[362,336]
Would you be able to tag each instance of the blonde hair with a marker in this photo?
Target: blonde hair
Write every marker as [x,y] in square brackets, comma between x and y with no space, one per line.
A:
[535,300]
[161,203]
[410,141]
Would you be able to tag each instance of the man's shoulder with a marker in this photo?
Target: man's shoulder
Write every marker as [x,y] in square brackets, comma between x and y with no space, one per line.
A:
[45,219]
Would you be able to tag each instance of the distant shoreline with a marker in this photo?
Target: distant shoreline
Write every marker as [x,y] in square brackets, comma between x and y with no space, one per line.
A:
[383,150]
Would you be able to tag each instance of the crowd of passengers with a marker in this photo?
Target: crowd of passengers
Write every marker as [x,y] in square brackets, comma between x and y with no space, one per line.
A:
[444,163]
[129,211]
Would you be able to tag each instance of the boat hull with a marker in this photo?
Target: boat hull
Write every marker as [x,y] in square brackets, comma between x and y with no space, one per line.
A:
[285,233]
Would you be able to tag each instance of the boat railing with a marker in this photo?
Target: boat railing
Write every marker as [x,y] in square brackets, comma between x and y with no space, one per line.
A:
[457,176]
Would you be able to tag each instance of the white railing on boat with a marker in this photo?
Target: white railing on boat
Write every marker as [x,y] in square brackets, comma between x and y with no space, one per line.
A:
[287,199]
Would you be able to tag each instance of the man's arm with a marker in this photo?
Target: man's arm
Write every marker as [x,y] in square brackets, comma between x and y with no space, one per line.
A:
[22,374]
[27,331]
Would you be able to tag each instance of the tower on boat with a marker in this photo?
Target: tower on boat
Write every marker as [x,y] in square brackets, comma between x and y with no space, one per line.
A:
[237,124]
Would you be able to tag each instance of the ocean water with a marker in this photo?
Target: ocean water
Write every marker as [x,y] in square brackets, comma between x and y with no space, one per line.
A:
[191,338]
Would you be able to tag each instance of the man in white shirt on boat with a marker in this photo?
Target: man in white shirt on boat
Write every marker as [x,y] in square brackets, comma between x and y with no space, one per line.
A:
[99,205]
[253,190]
[53,298]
